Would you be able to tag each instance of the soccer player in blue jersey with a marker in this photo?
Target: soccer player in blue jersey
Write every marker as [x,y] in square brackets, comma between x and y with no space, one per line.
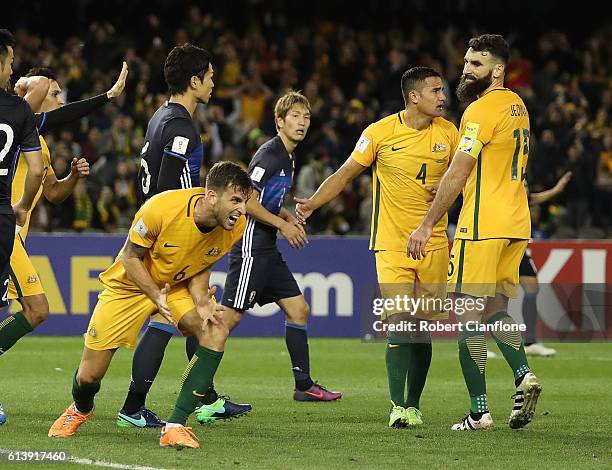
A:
[257,272]
[171,159]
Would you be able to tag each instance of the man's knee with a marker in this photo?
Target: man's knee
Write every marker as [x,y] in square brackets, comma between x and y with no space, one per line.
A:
[214,336]
[35,309]
[232,318]
[299,314]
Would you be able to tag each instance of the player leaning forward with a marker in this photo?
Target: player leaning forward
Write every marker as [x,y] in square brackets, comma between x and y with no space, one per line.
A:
[409,152]
[493,228]
[165,265]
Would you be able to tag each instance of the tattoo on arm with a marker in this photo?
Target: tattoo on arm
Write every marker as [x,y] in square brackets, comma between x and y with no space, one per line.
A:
[135,251]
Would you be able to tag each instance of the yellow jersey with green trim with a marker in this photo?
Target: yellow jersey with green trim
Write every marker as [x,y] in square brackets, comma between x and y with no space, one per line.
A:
[178,249]
[19,182]
[495,131]
[404,162]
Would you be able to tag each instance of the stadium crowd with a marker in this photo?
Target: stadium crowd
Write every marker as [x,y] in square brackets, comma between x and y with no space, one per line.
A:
[352,78]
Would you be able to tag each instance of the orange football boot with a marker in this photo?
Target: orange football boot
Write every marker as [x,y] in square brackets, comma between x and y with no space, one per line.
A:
[68,423]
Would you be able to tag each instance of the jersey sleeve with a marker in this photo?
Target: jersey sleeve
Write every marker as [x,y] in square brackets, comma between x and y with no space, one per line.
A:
[146,226]
[180,140]
[477,128]
[261,169]
[454,139]
[30,141]
[364,152]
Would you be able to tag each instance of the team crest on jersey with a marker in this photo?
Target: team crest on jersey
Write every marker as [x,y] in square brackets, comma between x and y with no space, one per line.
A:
[32,279]
[439,148]
[92,332]
[216,251]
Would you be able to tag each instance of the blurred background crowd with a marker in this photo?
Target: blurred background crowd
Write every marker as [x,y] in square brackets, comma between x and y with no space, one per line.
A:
[349,70]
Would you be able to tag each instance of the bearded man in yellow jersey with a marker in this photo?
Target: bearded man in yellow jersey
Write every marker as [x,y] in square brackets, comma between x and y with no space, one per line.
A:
[493,229]
[165,265]
[409,151]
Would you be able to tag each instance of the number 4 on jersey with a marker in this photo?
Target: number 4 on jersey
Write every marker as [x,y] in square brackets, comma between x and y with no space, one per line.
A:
[422,173]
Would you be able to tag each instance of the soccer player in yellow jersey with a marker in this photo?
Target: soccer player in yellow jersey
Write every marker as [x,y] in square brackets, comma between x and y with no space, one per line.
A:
[409,151]
[42,92]
[165,265]
[493,229]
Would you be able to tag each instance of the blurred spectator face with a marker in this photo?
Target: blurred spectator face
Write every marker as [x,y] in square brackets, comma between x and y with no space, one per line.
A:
[477,76]
[54,99]
[548,137]
[122,170]
[295,124]
[430,99]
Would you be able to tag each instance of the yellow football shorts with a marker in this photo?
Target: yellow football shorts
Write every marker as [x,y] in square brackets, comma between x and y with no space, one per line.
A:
[423,280]
[24,280]
[119,316]
[483,268]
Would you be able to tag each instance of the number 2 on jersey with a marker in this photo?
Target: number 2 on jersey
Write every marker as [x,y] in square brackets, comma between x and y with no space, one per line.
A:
[517,149]
[8,130]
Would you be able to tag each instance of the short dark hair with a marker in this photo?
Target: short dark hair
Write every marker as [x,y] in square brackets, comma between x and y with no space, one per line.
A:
[413,79]
[227,174]
[42,72]
[182,63]
[6,40]
[495,44]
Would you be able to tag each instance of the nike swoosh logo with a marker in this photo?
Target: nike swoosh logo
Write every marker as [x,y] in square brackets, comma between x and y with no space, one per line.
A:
[197,394]
[141,423]
[393,345]
[316,395]
[167,245]
[394,149]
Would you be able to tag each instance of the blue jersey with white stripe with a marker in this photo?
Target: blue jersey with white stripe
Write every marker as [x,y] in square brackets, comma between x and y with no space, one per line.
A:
[271,171]
[172,153]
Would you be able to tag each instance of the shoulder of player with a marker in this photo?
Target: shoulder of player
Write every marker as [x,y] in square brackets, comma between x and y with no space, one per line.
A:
[385,125]
[168,202]
[268,150]
[444,124]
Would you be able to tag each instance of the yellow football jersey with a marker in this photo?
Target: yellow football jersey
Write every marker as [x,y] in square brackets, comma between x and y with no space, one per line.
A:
[19,182]
[495,131]
[178,250]
[405,161]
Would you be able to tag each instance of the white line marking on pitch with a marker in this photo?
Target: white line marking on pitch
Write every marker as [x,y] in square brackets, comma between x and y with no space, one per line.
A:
[96,463]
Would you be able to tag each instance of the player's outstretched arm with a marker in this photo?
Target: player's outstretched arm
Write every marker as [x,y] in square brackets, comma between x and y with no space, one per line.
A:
[56,191]
[540,198]
[451,185]
[132,257]
[73,111]
[295,234]
[329,189]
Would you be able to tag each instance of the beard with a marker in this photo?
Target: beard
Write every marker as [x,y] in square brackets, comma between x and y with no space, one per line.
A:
[468,90]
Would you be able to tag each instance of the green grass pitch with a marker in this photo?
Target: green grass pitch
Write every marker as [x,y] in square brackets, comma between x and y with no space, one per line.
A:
[572,428]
